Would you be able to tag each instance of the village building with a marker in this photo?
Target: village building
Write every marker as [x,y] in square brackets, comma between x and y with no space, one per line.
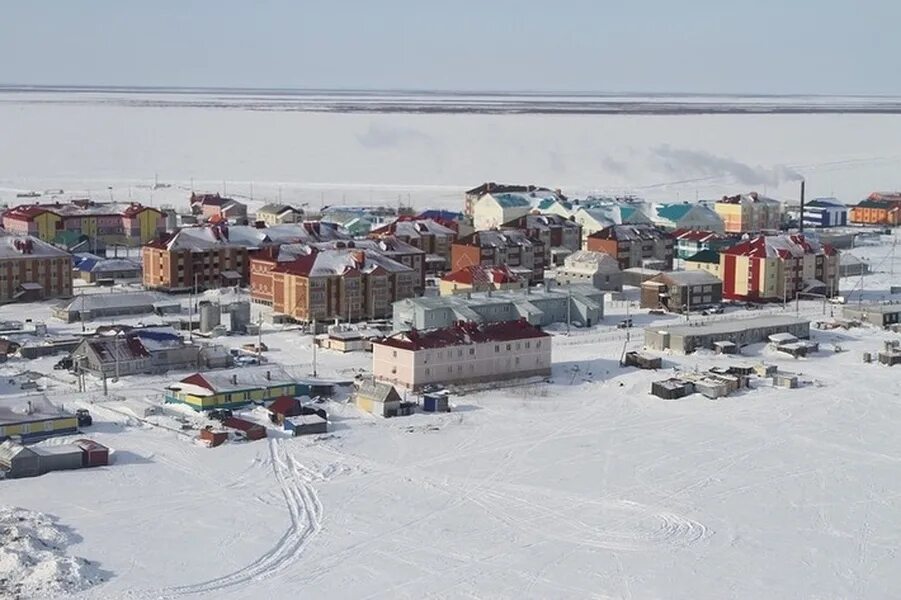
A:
[688,242]
[597,269]
[493,210]
[389,247]
[686,217]
[479,278]
[850,265]
[597,217]
[473,195]
[428,235]
[768,268]
[347,283]
[705,260]
[218,209]
[94,269]
[32,270]
[688,337]
[235,388]
[634,245]
[33,417]
[880,315]
[219,255]
[378,398]
[682,291]
[278,214]
[464,353]
[824,212]
[749,213]
[560,236]
[127,351]
[87,307]
[87,224]
[879,208]
[578,305]
[458,222]
[510,247]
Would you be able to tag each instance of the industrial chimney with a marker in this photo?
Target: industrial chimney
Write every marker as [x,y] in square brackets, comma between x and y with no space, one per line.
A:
[801,219]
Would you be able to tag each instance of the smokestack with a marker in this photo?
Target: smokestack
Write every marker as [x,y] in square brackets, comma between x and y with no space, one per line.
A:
[801,224]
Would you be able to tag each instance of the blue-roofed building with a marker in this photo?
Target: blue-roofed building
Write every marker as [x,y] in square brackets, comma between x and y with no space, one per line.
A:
[92,268]
[686,216]
[493,210]
[597,218]
[825,212]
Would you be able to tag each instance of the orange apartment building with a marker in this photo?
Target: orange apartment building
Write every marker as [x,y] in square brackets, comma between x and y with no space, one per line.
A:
[633,245]
[513,248]
[879,208]
[345,283]
[31,269]
[219,255]
[749,213]
[431,237]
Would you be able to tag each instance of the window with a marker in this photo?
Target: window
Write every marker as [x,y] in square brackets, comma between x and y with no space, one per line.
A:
[509,346]
[394,354]
[428,371]
[517,360]
[497,348]
[472,351]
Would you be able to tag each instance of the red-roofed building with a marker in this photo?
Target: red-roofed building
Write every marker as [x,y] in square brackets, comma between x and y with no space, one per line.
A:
[464,353]
[880,208]
[688,242]
[347,283]
[214,206]
[769,268]
[95,224]
[481,279]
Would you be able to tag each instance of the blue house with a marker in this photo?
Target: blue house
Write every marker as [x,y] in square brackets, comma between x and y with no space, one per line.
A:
[825,212]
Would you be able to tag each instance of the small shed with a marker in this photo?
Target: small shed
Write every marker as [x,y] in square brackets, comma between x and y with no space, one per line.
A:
[251,430]
[306,424]
[93,454]
[283,407]
[59,458]
[725,347]
[890,357]
[378,398]
[712,387]
[213,437]
[764,370]
[435,402]
[18,461]
[785,380]
[642,361]
[671,389]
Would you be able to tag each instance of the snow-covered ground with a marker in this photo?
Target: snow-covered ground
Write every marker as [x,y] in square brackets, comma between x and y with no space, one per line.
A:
[583,487]
[319,158]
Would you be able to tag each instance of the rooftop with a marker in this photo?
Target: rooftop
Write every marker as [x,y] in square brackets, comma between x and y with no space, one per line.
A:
[325,263]
[633,232]
[693,277]
[462,334]
[88,302]
[784,246]
[26,246]
[19,409]
[726,327]
[217,382]
[705,256]
[482,274]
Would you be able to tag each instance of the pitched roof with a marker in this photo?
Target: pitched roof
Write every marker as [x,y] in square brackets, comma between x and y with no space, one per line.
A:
[750,198]
[413,228]
[500,238]
[276,209]
[377,390]
[215,382]
[673,212]
[705,256]
[825,203]
[694,277]
[462,334]
[697,235]
[27,246]
[602,261]
[636,231]
[482,274]
[782,246]
[323,263]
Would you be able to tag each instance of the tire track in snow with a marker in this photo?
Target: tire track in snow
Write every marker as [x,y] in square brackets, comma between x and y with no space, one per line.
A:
[305,514]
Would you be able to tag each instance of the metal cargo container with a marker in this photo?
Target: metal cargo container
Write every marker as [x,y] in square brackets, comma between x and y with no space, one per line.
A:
[210,315]
[435,403]
[94,454]
[59,458]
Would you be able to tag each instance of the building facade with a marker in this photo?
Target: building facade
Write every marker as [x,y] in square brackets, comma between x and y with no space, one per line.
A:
[481,279]
[216,208]
[688,242]
[769,268]
[473,195]
[509,247]
[96,225]
[749,213]
[278,214]
[465,353]
[634,245]
[825,212]
[596,269]
[688,337]
[31,269]
[682,291]
[428,235]
[880,208]
[349,284]
[560,236]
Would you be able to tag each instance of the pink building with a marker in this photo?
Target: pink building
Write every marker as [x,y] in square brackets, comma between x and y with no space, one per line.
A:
[463,353]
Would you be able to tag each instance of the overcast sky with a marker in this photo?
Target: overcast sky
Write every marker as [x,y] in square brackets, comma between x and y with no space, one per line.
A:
[716,46]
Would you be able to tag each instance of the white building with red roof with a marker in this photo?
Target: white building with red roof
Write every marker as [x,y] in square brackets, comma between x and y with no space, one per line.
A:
[464,353]
[778,268]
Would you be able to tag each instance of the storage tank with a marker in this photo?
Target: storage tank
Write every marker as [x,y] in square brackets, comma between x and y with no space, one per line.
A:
[240,317]
[209,316]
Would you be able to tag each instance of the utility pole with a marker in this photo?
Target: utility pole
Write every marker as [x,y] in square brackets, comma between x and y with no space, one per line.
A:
[314,346]
[191,310]
[259,338]
[569,302]
[116,345]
